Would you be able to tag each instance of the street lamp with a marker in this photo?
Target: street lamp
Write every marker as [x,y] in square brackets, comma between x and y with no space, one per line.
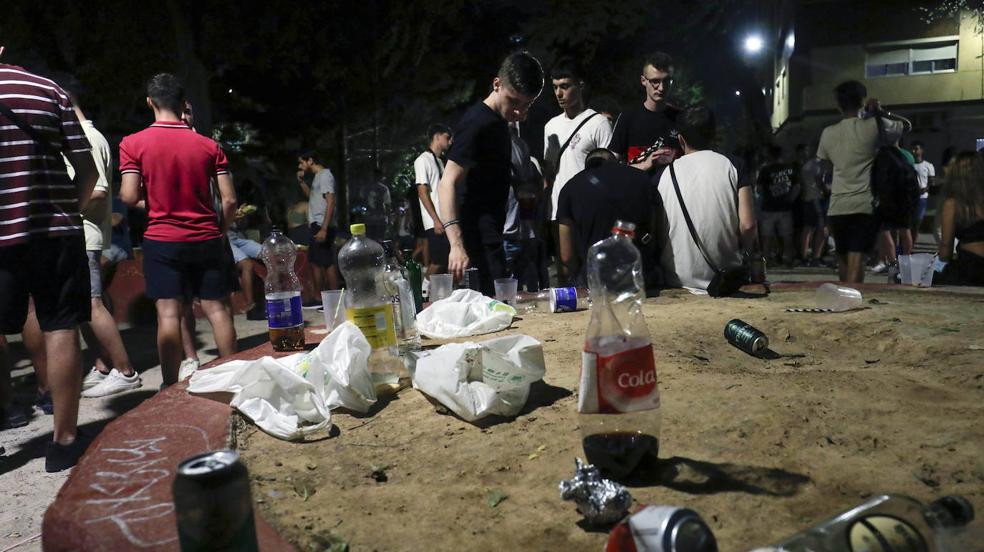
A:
[753,44]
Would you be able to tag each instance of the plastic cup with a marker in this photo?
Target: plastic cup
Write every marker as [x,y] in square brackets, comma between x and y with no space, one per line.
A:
[334,310]
[917,270]
[440,286]
[838,298]
[505,290]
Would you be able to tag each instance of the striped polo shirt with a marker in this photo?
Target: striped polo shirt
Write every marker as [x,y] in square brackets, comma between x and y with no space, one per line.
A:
[37,198]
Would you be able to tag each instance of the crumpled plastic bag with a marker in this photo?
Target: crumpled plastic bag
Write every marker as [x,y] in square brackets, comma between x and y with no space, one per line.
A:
[291,396]
[475,380]
[464,313]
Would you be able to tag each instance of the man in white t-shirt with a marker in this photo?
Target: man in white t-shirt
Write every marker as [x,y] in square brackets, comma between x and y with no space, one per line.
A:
[926,175]
[722,208]
[322,220]
[570,136]
[427,170]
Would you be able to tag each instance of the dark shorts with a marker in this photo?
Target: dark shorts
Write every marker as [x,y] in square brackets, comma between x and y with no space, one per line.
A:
[183,270]
[814,214]
[490,260]
[438,248]
[55,271]
[853,233]
[322,253]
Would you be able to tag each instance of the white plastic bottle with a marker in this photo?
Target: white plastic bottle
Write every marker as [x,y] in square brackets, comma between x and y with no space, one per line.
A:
[396,289]
[618,403]
[361,263]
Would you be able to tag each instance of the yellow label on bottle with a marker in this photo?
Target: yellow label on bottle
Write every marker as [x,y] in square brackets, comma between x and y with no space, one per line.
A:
[376,324]
[884,534]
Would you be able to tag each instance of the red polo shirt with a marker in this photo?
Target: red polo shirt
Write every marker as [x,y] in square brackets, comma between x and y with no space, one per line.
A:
[176,165]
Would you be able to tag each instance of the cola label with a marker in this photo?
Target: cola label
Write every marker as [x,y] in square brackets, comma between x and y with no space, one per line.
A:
[623,382]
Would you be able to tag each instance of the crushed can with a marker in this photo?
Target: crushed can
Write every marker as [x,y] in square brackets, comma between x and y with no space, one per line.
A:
[662,529]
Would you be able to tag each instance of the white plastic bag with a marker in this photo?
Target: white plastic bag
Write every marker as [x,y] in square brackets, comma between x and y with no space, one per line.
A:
[290,397]
[476,380]
[464,313]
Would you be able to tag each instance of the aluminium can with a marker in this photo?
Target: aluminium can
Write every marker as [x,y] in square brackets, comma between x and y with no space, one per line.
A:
[563,299]
[663,529]
[472,279]
[212,503]
[746,337]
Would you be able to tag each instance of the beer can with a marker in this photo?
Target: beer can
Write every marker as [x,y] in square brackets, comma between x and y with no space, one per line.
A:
[472,279]
[212,503]
[563,299]
[663,529]
[744,336]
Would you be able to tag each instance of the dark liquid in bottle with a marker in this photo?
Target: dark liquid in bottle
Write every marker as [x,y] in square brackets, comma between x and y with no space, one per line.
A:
[287,339]
[619,454]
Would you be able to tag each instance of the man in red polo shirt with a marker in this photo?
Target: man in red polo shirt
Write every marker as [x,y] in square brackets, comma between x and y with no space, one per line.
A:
[169,166]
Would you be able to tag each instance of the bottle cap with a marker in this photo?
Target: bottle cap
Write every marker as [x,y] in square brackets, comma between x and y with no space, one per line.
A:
[358,229]
[960,510]
[624,227]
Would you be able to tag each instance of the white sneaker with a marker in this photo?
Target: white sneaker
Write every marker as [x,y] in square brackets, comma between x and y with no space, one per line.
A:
[113,383]
[93,378]
[880,268]
[188,367]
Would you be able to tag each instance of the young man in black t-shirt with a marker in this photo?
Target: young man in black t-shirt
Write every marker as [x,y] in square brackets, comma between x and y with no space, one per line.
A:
[639,128]
[591,202]
[479,161]
[778,186]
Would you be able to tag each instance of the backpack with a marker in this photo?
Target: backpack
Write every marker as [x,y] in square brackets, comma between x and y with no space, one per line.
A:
[894,186]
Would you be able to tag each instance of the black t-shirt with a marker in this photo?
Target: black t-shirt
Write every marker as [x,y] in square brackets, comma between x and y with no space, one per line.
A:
[638,128]
[776,183]
[481,145]
[593,199]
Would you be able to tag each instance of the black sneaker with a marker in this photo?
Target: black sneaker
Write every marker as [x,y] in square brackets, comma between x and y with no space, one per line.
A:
[12,415]
[62,457]
[44,403]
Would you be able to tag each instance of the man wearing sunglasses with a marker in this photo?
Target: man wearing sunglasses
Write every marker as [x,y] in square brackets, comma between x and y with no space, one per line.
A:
[638,129]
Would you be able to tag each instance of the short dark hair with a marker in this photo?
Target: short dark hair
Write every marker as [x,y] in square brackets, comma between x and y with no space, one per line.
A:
[437,128]
[850,95]
[523,73]
[917,143]
[598,157]
[567,68]
[313,156]
[697,126]
[166,92]
[660,61]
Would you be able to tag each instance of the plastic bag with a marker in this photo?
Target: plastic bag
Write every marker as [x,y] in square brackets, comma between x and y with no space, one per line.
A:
[476,380]
[464,313]
[290,397]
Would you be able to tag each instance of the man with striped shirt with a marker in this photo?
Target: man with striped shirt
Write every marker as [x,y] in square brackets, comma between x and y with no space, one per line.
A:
[42,251]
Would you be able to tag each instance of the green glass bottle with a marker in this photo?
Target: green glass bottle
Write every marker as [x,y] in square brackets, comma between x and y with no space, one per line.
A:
[415,274]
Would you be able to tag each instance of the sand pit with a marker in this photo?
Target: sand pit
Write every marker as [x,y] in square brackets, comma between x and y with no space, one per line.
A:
[884,399]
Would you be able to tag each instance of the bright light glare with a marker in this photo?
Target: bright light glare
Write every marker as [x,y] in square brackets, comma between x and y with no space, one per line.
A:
[791,41]
[753,44]
[737,92]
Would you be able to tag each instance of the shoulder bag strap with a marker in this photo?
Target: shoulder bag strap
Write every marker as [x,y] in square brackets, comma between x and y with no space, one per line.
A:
[690,223]
[440,171]
[573,134]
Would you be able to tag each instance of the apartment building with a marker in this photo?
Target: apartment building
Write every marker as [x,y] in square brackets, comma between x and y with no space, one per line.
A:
[933,73]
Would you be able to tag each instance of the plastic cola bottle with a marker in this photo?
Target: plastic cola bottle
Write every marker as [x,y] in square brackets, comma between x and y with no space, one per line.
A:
[618,403]
[361,262]
[396,289]
[285,319]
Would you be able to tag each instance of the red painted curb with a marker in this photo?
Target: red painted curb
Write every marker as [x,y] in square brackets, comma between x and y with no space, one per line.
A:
[119,497]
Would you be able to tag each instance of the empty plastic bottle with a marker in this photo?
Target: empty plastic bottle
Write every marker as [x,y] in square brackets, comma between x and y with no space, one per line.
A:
[618,404]
[361,263]
[285,319]
[889,523]
[396,289]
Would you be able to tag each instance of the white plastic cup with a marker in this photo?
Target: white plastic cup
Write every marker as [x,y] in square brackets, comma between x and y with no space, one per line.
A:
[331,302]
[505,290]
[838,298]
[917,270]
[440,286]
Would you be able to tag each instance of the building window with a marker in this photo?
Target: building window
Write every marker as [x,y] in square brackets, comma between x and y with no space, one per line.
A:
[921,59]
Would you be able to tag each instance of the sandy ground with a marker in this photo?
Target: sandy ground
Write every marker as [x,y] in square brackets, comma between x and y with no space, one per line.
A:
[883,399]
